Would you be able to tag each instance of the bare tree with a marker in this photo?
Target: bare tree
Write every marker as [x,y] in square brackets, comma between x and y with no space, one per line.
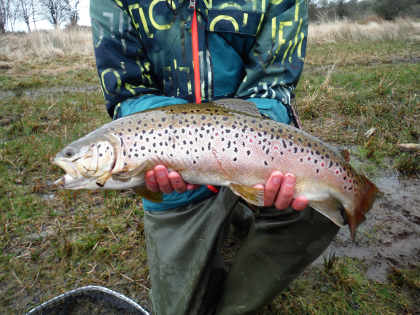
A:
[5,12]
[56,11]
[74,12]
[25,13]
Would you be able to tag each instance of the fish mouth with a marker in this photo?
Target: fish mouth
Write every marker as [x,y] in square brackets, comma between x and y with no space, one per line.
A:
[69,182]
[72,179]
[67,167]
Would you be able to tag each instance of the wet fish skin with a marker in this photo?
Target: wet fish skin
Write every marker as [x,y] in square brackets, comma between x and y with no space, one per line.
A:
[213,144]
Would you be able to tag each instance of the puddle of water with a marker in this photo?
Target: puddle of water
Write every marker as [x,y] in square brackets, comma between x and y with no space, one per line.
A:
[390,236]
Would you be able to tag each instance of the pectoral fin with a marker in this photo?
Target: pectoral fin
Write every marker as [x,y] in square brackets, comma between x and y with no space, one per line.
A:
[331,208]
[148,194]
[250,194]
[100,181]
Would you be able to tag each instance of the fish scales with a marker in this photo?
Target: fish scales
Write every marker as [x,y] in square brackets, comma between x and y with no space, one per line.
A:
[211,144]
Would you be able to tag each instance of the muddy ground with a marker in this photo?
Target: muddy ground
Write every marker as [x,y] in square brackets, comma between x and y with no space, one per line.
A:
[390,236]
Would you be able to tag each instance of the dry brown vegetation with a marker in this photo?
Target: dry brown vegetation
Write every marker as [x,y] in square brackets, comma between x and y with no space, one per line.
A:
[369,29]
[76,42]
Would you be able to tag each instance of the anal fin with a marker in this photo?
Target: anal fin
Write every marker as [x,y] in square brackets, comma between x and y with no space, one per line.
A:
[250,194]
[331,208]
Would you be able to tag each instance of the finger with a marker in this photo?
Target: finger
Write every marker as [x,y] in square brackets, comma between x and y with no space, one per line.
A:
[300,203]
[151,182]
[177,182]
[287,189]
[192,186]
[161,175]
[272,187]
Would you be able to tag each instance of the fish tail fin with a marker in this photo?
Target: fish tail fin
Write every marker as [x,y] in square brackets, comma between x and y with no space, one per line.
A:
[368,192]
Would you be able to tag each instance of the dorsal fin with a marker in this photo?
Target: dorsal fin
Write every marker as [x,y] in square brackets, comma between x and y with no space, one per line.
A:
[239,105]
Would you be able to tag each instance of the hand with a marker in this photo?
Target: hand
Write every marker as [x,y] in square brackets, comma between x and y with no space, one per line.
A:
[159,179]
[279,191]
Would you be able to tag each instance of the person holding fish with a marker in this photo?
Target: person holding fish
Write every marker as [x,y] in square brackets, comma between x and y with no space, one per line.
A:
[157,53]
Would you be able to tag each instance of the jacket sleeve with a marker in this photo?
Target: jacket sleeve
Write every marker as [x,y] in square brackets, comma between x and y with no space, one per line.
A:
[275,61]
[123,68]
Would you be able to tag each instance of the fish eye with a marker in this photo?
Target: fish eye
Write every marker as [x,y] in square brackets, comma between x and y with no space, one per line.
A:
[69,153]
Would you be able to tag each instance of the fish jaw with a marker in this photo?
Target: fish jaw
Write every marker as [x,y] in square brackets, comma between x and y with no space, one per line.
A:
[74,183]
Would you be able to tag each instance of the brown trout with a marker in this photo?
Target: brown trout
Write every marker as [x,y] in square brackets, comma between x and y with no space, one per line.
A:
[225,143]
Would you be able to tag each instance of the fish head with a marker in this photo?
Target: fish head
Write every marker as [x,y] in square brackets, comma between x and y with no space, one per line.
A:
[365,197]
[87,163]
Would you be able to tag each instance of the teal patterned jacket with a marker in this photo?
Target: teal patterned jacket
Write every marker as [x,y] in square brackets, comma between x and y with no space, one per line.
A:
[249,49]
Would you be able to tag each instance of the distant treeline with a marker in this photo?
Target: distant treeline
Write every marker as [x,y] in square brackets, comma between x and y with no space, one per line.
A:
[326,10]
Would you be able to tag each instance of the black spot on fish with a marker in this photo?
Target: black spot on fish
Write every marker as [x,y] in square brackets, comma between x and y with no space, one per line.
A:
[265,163]
[331,164]
[284,144]
[295,149]
[235,159]
[248,152]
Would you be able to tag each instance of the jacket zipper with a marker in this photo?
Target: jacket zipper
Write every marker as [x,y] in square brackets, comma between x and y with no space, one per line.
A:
[196,66]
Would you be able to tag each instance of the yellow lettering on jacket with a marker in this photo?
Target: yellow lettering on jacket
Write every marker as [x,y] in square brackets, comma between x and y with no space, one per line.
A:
[156,25]
[225,18]
[116,76]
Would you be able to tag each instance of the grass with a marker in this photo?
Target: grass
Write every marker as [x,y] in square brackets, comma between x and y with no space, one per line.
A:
[340,287]
[53,241]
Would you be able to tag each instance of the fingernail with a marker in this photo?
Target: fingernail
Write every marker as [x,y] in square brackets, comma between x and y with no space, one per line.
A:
[276,180]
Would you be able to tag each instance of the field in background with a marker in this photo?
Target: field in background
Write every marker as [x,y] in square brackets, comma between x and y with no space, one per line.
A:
[356,77]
